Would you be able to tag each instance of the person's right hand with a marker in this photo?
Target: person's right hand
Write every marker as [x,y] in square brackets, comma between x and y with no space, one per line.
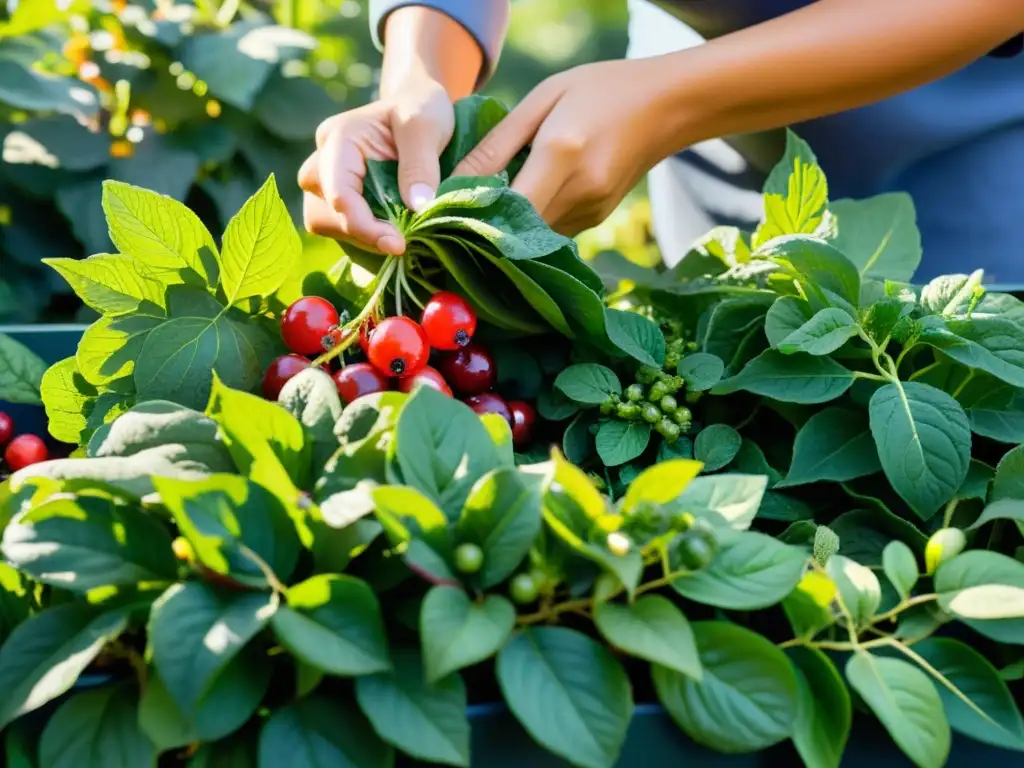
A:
[412,125]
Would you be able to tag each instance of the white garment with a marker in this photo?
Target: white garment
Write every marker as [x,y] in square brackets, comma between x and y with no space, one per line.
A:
[684,198]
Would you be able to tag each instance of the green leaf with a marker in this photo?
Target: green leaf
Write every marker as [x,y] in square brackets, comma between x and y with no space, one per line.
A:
[261,246]
[21,372]
[907,704]
[194,634]
[316,732]
[992,344]
[235,526]
[68,398]
[456,632]
[879,235]
[1005,424]
[733,326]
[588,383]
[475,116]
[424,720]
[652,628]
[1008,482]
[790,378]
[795,193]
[619,442]
[749,571]
[716,446]
[23,87]
[824,712]
[333,622]
[834,444]
[97,729]
[407,514]
[109,347]
[823,334]
[787,315]
[660,483]
[700,371]
[441,448]
[858,588]
[83,542]
[554,405]
[179,355]
[747,699]
[235,62]
[43,657]
[636,335]
[569,693]
[924,443]
[112,284]
[981,706]
[735,498]
[503,517]
[158,231]
[985,590]
[827,277]
[226,706]
[900,567]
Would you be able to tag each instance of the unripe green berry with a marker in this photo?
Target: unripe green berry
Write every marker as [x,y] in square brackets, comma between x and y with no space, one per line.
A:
[634,393]
[606,408]
[668,404]
[657,391]
[674,384]
[469,558]
[668,429]
[650,413]
[627,411]
[523,589]
[647,375]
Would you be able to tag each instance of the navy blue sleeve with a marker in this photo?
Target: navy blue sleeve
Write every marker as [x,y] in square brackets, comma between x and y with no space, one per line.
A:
[485,20]
[1010,48]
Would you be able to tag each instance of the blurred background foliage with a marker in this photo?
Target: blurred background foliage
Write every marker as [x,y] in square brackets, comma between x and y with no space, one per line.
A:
[202,101]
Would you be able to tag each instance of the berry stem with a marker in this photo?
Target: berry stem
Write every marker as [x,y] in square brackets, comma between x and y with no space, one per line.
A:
[391,264]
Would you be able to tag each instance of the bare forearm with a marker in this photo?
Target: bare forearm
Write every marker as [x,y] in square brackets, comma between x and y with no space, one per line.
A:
[829,57]
[421,41]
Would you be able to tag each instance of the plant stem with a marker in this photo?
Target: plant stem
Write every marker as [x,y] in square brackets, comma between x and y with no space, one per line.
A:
[549,613]
[348,339]
[904,605]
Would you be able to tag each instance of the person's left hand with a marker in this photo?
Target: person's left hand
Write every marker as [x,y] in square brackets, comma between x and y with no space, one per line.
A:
[594,132]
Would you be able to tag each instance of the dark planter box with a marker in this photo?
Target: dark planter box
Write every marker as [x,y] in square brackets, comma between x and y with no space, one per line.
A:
[498,741]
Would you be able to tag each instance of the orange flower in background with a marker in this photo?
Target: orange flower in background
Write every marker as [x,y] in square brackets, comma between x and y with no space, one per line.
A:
[76,49]
[122,148]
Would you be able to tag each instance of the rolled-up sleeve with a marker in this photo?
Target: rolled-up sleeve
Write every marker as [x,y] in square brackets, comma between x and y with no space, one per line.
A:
[485,20]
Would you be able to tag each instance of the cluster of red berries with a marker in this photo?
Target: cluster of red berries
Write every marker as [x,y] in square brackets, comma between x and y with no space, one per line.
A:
[22,451]
[397,351]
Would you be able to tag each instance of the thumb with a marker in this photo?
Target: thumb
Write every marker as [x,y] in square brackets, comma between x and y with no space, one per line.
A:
[496,150]
[419,169]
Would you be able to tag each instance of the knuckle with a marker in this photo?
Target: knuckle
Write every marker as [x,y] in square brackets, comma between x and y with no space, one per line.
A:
[566,145]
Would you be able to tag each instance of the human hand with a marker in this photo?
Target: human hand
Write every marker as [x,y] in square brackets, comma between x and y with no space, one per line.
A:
[595,131]
[412,125]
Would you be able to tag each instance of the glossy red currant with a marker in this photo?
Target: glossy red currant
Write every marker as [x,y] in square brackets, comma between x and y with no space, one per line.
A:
[305,324]
[489,402]
[448,321]
[359,379]
[470,370]
[427,377]
[6,428]
[24,451]
[523,419]
[279,371]
[365,332]
[398,347]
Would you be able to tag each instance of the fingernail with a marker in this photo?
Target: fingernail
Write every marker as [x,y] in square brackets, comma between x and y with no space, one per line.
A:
[419,196]
[391,244]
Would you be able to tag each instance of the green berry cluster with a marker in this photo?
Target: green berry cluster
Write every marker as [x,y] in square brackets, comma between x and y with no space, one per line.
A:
[652,398]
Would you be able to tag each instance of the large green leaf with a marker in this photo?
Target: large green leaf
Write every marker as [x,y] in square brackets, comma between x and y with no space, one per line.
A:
[637,336]
[111,283]
[823,334]
[619,442]
[795,193]
[317,732]
[25,87]
[824,712]
[333,623]
[716,446]
[906,703]
[981,707]
[194,633]
[747,699]
[456,632]
[879,235]
[985,590]
[733,497]
[569,693]
[97,729]
[68,399]
[652,628]
[797,378]
[21,372]
[260,246]
[424,720]
[44,655]
[858,587]
[750,571]
[924,443]
[835,445]
[502,515]
[83,542]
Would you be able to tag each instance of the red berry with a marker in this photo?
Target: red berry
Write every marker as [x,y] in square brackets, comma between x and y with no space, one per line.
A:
[470,371]
[398,347]
[279,371]
[365,332]
[488,402]
[359,379]
[448,321]
[428,377]
[6,428]
[24,451]
[305,324]
[523,419]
